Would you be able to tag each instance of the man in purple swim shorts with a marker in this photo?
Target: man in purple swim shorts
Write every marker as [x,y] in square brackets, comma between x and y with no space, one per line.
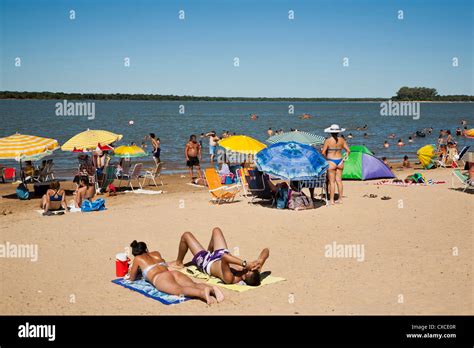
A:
[217,261]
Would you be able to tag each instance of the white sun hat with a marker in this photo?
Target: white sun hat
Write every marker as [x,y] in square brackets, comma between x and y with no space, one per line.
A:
[334,129]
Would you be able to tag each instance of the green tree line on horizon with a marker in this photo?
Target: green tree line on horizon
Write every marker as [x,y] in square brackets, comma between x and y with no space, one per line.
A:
[403,94]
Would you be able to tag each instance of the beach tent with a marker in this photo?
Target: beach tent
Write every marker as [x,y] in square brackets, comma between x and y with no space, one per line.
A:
[363,165]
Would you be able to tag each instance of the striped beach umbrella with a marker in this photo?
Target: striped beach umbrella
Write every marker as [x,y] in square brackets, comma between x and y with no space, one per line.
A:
[131,151]
[298,137]
[22,147]
[89,140]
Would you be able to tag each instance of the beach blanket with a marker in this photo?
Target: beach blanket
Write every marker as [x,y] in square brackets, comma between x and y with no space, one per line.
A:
[147,192]
[143,287]
[266,279]
[404,184]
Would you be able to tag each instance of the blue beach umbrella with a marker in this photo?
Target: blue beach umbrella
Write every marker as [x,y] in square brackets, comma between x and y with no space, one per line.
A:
[291,161]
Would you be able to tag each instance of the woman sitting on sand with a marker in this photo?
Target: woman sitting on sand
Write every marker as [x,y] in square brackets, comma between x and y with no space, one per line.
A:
[217,260]
[332,149]
[154,269]
[54,199]
[84,191]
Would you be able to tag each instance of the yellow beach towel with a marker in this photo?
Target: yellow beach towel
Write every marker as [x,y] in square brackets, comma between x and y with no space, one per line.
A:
[192,271]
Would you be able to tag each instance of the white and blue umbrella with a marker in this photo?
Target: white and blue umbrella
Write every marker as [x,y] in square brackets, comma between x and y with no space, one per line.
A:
[291,161]
[297,136]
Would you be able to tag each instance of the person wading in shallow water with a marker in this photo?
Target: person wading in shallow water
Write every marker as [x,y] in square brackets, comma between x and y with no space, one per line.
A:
[192,152]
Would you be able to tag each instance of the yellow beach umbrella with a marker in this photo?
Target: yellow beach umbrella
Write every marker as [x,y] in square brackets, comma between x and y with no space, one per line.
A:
[242,144]
[426,155]
[129,151]
[90,139]
[469,133]
[21,147]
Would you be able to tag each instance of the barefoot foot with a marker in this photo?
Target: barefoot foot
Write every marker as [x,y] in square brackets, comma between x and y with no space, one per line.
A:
[218,293]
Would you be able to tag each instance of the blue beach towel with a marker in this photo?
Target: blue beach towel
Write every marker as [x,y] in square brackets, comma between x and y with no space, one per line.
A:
[145,288]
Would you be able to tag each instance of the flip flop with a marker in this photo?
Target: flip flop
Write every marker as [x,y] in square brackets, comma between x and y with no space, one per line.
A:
[47,213]
[385,198]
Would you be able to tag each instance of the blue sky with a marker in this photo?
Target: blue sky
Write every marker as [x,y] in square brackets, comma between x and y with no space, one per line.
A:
[278,57]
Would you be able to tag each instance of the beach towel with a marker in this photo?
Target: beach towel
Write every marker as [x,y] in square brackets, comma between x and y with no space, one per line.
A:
[404,184]
[267,279]
[97,205]
[143,287]
[147,192]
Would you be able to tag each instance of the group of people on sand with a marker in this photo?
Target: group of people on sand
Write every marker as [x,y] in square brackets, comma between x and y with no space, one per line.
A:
[215,261]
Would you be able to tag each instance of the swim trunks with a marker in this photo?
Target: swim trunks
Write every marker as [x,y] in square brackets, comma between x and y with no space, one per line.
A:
[193,161]
[204,259]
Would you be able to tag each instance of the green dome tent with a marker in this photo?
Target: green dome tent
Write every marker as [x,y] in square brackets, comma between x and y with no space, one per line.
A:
[363,165]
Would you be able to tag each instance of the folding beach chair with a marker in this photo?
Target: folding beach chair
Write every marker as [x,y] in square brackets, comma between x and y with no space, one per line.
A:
[49,174]
[135,175]
[463,179]
[108,178]
[153,175]
[460,155]
[241,173]
[220,193]
[317,182]
[9,174]
[258,186]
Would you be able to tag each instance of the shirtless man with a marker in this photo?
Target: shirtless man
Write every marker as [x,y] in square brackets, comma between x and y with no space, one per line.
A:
[192,151]
[218,261]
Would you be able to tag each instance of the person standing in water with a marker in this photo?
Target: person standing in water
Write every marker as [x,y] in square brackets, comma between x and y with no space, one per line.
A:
[213,142]
[192,152]
[332,150]
[155,142]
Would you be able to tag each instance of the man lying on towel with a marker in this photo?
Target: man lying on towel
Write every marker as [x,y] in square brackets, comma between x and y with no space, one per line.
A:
[218,261]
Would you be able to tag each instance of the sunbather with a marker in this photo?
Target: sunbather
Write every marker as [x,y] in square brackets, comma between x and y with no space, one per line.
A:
[54,199]
[218,261]
[154,269]
[84,191]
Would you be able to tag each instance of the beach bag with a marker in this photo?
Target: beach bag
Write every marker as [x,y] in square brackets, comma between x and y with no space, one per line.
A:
[298,201]
[282,198]
[417,178]
[22,192]
[227,179]
[97,205]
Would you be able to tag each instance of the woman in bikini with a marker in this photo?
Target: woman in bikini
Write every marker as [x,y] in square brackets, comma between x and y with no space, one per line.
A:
[332,150]
[154,269]
[54,199]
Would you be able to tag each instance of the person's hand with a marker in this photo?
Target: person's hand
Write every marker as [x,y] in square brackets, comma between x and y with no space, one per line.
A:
[254,265]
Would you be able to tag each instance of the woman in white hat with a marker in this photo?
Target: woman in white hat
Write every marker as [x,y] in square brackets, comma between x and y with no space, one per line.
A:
[332,150]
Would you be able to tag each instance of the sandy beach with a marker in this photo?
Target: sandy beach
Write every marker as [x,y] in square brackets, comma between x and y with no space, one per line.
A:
[408,265]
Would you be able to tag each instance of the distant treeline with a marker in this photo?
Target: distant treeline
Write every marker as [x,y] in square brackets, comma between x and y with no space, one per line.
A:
[428,94]
[405,93]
